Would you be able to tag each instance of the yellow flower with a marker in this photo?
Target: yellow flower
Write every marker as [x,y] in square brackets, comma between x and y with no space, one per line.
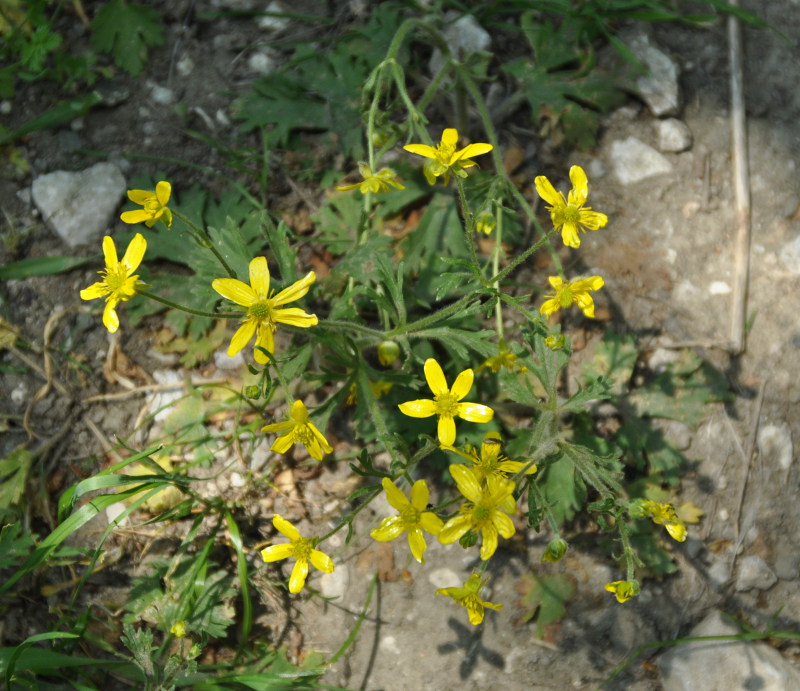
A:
[412,518]
[490,462]
[446,403]
[154,203]
[624,590]
[468,597]
[373,182]
[504,358]
[570,216]
[485,222]
[555,341]
[486,512]
[178,629]
[262,308]
[663,514]
[299,547]
[119,282]
[445,159]
[298,428]
[567,293]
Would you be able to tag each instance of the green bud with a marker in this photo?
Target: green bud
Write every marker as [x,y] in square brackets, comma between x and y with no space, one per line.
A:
[468,540]
[252,391]
[388,352]
[555,550]
[555,342]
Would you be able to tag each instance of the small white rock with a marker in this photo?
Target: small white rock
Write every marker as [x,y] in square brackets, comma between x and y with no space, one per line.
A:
[261,62]
[775,445]
[223,361]
[634,161]
[185,66]
[268,23]
[19,395]
[161,95]
[719,288]
[674,135]
[389,644]
[335,584]
[444,578]
[753,572]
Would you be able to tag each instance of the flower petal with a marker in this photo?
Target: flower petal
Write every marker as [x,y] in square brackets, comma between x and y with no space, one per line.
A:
[446,430]
[489,543]
[431,523]
[294,316]
[259,278]
[469,151]
[593,219]
[295,291]
[163,192]
[570,236]
[321,561]
[475,412]
[388,529]
[549,306]
[264,339]
[299,574]
[467,482]
[110,318]
[548,192]
[450,137]
[283,443]
[277,552]
[435,377]
[584,284]
[580,186]
[242,336]
[462,384]
[235,290]
[423,407]
[285,528]
[110,252]
[416,543]
[395,497]
[585,302]
[504,525]
[419,495]
[139,196]
[454,529]
[323,443]
[421,149]
[135,216]
[96,290]
[135,253]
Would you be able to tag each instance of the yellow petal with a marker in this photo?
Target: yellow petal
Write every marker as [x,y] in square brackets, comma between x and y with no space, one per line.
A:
[326,447]
[454,529]
[570,236]
[259,277]
[242,337]
[475,412]
[593,219]
[549,306]
[504,524]
[474,611]
[96,290]
[321,561]
[110,252]
[163,192]
[388,529]
[469,151]
[584,284]
[234,290]
[466,482]
[423,407]
[431,523]
[395,497]
[299,412]
[110,318]
[585,302]
[419,495]
[416,543]
[278,426]
[462,384]
[277,552]
[299,574]
[446,430]
[489,543]
[264,339]
[580,186]
[285,528]
[137,216]
[294,316]
[135,253]
[450,137]
[296,290]
[421,149]
[283,443]
[548,192]
[435,378]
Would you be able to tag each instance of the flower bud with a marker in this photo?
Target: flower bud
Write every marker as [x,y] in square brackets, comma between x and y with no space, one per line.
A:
[555,550]
[485,221]
[388,352]
[555,342]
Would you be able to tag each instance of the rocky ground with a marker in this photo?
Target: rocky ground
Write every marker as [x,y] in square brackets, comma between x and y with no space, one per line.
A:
[662,171]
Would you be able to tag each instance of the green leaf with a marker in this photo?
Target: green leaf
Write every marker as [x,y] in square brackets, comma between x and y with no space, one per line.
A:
[13,477]
[545,599]
[40,43]
[43,266]
[127,31]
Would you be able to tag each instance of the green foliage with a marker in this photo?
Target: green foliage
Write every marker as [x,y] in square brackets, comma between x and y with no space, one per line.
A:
[544,598]
[127,31]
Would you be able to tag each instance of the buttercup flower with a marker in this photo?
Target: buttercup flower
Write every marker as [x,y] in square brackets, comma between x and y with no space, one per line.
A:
[154,203]
[445,159]
[373,182]
[570,216]
[490,462]
[486,512]
[468,597]
[299,547]
[412,518]
[119,282]
[555,341]
[662,514]
[446,403]
[624,590]
[178,629]
[504,358]
[566,293]
[263,310]
[298,428]
[485,222]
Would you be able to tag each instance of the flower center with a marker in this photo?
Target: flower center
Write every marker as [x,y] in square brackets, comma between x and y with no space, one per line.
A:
[262,311]
[481,513]
[565,297]
[118,281]
[446,404]
[302,548]
[444,153]
[152,206]
[410,516]
[304,435]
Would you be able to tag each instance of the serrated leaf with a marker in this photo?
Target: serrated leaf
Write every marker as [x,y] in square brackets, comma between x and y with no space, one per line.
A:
[545,598]
[14,470]
[127,31]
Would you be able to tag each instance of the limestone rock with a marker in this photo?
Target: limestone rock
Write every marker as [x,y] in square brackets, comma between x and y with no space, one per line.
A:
[658,87]
[633,161]
[674,135]
[79,207]
[753,572]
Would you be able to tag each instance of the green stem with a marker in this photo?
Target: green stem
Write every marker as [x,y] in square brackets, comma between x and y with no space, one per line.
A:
[202,238]
[469,223]
[442,314]
[183,308]
[498,307]
[336,324]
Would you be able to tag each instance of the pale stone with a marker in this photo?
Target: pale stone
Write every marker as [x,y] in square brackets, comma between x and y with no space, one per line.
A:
[634,161]
[658,87]
[674,135]
[753,572]
[775,445]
